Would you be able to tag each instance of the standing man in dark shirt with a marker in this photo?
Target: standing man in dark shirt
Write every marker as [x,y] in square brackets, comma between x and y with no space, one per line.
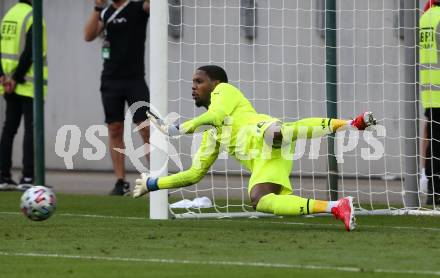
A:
[16,76]
[124,25]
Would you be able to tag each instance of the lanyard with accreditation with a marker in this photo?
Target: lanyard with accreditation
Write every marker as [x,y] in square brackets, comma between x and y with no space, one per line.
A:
[105,50]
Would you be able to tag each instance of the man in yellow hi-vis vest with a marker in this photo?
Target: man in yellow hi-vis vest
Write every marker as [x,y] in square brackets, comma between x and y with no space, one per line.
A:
[16,76]
[429,40]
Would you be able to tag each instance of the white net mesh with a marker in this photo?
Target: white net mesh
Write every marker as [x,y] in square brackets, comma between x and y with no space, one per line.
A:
[274,51]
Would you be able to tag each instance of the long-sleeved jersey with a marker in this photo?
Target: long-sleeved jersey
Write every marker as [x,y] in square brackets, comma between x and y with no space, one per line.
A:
[237,128]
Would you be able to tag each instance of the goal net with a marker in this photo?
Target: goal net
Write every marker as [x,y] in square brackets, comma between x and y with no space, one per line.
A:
[275,52]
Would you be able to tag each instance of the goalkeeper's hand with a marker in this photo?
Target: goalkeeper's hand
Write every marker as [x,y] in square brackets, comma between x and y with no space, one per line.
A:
[140,187]
[167,129]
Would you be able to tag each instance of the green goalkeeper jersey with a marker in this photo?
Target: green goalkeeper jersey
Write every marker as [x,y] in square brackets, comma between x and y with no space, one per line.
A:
[235,127]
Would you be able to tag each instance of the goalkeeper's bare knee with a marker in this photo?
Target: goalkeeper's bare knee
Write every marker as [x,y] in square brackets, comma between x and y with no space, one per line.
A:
[261,190]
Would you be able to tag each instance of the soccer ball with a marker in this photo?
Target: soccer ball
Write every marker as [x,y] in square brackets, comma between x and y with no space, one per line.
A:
[38,203]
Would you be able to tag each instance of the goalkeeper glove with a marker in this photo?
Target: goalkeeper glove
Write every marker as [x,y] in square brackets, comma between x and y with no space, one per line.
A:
[144,185]
[167,129]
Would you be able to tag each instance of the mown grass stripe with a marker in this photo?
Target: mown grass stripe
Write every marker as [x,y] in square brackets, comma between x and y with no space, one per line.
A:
[223,263]
[240,220]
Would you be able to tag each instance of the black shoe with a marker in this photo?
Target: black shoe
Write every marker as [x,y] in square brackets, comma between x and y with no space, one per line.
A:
[122,188]
[429,200]
[7,183]
[436,199]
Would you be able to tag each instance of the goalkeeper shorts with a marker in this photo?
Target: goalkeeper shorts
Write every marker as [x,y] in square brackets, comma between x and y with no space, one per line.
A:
[275,170]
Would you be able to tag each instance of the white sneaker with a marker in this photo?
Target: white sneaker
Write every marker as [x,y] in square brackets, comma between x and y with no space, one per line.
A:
[140,187]
[25,183]
[7,183]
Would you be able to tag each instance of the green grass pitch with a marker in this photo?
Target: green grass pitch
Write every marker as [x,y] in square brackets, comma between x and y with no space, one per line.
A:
[103,236]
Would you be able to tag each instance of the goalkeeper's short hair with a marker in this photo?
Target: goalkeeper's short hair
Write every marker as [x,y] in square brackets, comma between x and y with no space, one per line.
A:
[215,73]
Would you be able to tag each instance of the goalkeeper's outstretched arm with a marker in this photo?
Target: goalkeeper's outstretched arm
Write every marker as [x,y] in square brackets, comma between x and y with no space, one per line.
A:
[223,101]
[204,158]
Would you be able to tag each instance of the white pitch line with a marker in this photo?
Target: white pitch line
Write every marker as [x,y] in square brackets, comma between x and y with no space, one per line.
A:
[88,216]
[103,216]
[361,225]
[223,263]
[239,220]
[338,224]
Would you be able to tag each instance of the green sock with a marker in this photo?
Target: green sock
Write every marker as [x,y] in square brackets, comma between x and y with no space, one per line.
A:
[285,205]
[306,128]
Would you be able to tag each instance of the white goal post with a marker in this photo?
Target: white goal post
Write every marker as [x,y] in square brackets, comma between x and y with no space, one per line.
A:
[158,98]
[275,52]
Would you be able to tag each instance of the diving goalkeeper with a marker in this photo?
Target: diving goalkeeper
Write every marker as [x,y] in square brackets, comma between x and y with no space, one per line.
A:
[258,141]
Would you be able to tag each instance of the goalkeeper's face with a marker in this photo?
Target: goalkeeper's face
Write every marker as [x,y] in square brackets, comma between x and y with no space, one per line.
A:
[202,87]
